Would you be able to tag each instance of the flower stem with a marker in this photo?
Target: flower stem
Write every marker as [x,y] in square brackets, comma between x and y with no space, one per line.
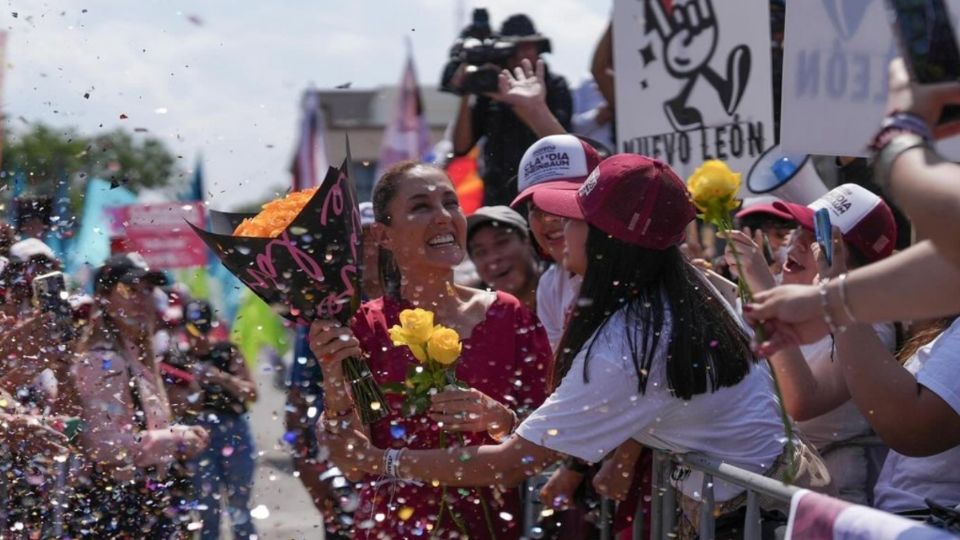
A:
[365,391]
[746,295]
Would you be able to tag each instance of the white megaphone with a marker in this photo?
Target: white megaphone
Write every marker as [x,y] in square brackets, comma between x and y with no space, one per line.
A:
[792,177]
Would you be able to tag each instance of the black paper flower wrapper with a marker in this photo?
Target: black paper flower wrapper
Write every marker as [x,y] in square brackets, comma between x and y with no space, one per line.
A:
[310,271]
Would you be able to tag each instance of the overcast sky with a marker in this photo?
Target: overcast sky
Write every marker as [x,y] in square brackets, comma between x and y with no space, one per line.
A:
[224,77]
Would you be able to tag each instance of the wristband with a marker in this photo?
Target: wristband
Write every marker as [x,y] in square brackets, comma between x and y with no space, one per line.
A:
[908,122]
[391,462]
[886,156]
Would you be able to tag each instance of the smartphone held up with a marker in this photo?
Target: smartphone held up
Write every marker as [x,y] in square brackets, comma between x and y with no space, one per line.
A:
[50,296]
[928,44]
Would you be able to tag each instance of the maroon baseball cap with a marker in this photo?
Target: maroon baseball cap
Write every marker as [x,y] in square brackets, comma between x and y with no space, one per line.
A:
[555,162]
[635,199]
[864,220]
[763,205]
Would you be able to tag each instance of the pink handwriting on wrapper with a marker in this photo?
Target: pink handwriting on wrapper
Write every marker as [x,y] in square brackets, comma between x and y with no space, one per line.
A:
[265,275]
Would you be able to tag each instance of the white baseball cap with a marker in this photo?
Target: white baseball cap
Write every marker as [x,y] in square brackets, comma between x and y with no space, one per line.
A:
[864,220]
[555,162]
[26,249]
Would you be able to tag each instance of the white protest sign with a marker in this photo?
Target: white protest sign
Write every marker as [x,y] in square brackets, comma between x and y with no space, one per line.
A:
[693,80]
[835,61]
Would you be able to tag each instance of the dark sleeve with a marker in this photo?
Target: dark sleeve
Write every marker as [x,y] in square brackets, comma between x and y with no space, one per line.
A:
[559,100]
[478,119]
[535,361]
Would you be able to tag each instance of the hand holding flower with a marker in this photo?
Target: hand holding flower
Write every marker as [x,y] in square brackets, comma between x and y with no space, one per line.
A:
[332,342]
[755,268]
[471,411]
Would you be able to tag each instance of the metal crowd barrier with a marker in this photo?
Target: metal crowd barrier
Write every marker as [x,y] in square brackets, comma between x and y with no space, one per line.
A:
[664,509]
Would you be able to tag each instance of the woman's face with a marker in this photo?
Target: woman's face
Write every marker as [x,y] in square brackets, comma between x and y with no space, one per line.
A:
[575,250]
[427,227]
[547,230]
[132,304]
[503,257]
[801,265]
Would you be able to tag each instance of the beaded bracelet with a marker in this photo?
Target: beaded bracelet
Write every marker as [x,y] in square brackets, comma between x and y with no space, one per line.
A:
[825,307]
[842,279]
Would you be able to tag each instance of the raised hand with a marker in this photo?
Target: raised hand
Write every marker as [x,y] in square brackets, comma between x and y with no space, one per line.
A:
[751,258]
[839,265]
[525,88]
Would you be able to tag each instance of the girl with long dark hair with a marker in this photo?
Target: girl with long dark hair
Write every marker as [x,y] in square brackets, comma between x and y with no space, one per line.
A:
[650,354]
[505,361]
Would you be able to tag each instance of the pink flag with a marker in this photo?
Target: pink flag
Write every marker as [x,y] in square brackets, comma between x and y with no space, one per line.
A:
[406,135]
[310,163]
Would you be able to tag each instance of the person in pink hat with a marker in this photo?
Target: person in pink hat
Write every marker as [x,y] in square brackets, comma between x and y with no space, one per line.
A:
[553,165]
[650,355]
[811,376]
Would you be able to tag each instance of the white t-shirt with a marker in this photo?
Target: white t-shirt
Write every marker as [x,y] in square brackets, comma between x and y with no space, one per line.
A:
[845,422]
[905,482]
[739,424]
[849,465]
[556,293]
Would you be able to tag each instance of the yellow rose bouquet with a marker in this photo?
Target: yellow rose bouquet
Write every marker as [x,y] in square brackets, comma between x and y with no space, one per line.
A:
[713,189]
[436,348]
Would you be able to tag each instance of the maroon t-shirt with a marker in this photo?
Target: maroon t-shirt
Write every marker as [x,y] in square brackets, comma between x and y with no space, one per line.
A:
[508,358]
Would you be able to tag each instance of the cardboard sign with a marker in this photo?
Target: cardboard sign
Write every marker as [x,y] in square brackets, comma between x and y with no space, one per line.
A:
[160,233]
[693,81]
[835,63]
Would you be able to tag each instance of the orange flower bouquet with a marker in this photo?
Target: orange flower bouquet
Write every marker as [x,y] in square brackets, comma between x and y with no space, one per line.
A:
[301,254]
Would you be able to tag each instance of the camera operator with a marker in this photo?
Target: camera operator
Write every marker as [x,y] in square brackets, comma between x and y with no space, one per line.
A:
[511,113]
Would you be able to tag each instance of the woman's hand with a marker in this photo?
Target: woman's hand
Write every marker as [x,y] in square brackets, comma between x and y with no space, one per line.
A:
[613,479]
[558,492]
[348,447]
[191,440]
[524,88]
[331,343]
[789,315]
[757,272]
[839,265]
[471,411]
[924,100]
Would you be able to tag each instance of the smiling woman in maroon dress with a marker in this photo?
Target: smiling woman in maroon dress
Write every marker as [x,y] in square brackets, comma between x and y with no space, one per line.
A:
[505,361]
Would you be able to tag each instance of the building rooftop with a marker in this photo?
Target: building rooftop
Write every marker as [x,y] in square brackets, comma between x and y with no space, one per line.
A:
[355,108]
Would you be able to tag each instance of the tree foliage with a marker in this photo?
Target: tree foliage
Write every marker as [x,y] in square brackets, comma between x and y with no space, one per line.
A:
[47,154]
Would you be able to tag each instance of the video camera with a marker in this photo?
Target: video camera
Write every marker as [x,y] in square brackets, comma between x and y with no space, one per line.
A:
[484,53]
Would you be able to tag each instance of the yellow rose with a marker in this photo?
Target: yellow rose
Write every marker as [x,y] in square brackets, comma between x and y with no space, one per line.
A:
[713,188]
[418,325]
[401,338]
[444,346]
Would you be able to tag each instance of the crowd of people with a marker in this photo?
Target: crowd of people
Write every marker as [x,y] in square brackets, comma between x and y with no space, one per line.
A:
[122,410]
[618,330]
[596,321]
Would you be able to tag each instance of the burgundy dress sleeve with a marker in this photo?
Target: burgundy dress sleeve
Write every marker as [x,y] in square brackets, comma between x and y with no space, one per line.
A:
[534,359]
